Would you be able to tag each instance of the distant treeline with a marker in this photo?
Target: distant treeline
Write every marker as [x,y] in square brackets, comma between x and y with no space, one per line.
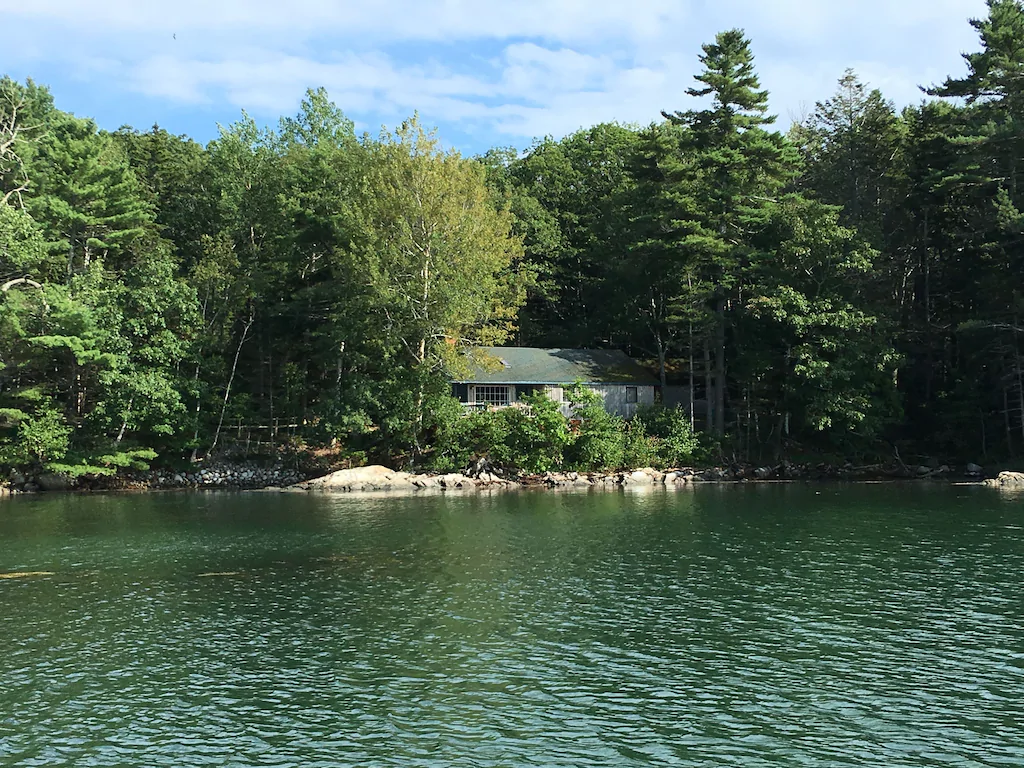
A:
[851,287]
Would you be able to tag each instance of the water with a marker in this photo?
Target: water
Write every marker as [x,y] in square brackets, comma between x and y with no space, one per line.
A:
[721,626]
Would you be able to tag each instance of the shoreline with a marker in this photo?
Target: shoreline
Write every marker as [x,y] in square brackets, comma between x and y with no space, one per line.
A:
[377,478]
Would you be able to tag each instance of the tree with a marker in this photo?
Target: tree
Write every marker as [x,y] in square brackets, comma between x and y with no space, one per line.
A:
[852,149]
[728,167]
[812,359]
[573,219]
[85,196]
[440,258]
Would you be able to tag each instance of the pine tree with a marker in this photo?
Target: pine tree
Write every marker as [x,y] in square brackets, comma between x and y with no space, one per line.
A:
[727,168]
[85,196]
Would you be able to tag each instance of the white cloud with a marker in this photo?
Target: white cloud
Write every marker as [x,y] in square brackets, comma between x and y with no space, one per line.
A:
[501,70]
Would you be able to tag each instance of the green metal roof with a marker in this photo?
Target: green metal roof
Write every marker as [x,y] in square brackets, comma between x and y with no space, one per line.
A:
[528,365]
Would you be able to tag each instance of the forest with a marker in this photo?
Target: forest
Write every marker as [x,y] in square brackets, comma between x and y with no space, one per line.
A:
[851,287]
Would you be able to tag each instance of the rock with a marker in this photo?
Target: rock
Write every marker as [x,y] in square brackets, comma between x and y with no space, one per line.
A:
[763,473]
[1007,480]
[373,478]
[456,481]
[639,477]
[54,482]
[973,470]
[30,488]
[922,471]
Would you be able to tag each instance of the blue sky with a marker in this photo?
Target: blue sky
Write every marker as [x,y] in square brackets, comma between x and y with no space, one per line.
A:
[485,73]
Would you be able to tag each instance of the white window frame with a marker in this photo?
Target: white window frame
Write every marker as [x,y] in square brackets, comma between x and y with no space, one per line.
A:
[492,395]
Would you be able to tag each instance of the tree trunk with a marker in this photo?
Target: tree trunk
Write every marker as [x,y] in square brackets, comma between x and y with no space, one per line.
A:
[124,421]
[720,367]
[231,380]
[1006,420]
[709,399]
[690,377]
[661,361]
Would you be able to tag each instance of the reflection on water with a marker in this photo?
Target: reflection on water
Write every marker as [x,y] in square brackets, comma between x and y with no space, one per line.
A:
[722,625]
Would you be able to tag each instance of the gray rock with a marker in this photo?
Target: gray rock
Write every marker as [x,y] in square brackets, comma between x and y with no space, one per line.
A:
[54,482]
[973,470]
[639,477]
[456,480]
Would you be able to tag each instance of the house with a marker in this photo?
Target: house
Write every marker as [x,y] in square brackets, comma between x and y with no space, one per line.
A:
[499,376]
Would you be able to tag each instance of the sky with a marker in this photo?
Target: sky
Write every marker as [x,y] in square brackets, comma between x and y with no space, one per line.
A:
[484,73]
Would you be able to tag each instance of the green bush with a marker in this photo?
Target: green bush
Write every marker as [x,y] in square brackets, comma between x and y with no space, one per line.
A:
[538,438]
[640,449]
[599,440]
[677,444]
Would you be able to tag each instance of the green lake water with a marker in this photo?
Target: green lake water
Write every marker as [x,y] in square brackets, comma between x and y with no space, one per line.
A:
[867,625]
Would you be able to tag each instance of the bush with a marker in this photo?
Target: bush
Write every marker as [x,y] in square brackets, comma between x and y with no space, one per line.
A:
[531,438]
[537,435]
[676,443]
[538,438]
[599,440]
[640,449]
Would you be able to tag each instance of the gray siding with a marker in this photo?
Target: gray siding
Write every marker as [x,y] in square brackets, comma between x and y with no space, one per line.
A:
[613,396]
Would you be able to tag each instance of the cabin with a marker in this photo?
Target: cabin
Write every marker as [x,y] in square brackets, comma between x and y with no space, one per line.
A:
[500,376]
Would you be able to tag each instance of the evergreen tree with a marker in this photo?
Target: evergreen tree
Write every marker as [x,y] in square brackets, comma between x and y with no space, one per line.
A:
[728,167]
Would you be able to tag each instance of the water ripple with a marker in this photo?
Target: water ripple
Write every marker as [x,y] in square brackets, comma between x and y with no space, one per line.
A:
[727,627]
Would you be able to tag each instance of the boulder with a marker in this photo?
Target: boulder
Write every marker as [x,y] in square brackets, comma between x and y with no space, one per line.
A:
[639,477]
[455,480]
[763,473]
[54,482]
[1007,480]
[973,470]
[373,478]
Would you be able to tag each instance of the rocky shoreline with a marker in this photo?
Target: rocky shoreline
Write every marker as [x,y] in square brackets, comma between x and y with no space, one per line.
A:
[250,476]
[378,478]
[242,475]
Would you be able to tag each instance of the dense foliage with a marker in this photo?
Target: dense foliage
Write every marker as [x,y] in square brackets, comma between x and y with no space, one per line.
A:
[848,287]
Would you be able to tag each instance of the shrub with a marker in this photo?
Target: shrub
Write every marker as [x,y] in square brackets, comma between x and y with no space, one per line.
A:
[640,449]
[599,441]
[676,442]
[537,435]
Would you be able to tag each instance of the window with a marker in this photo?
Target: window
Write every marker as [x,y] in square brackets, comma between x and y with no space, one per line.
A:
[493,395]
[630,394]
